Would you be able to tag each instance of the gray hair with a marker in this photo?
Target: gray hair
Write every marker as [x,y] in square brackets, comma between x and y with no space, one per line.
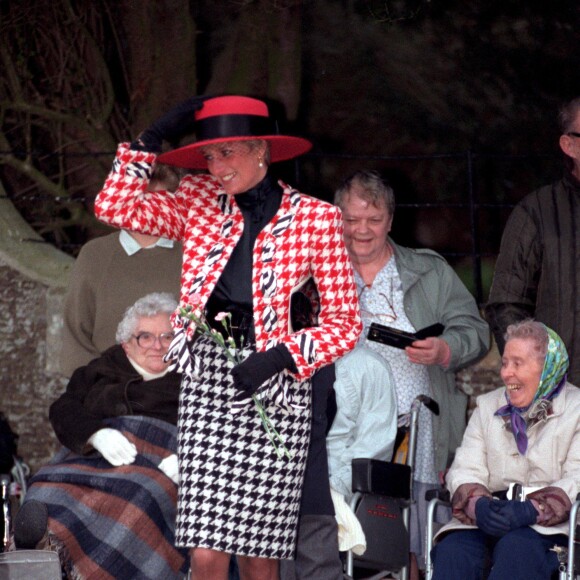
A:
[568,114]
[371,188]
[533,330]
[150,305]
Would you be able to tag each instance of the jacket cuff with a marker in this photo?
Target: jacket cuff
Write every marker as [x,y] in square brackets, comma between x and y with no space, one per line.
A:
[464,494]
[553,505]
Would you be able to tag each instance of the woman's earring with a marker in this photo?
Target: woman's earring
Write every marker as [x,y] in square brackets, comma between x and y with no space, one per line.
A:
[260,162]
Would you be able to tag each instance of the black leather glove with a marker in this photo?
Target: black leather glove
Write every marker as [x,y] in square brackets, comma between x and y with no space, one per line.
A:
[519,513]
[176,123]
[487,518]
[259,367]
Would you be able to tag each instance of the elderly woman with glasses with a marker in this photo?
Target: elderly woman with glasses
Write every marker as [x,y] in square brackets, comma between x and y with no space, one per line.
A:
[107,501]
[517,472]
[408,290]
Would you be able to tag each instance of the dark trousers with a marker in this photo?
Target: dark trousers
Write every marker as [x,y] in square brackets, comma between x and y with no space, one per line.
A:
[522,554]
[317,555]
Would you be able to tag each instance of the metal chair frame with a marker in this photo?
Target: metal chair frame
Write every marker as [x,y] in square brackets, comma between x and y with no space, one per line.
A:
[22,564]
[410,461]
[565,555]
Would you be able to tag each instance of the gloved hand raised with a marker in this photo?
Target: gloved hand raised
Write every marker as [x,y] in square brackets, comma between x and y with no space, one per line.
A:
[170,467]
[518,513]
[113,446]
[487,518]
[176,123]
[259,367]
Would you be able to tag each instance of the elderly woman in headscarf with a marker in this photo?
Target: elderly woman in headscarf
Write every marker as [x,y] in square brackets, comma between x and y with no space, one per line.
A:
[517,472]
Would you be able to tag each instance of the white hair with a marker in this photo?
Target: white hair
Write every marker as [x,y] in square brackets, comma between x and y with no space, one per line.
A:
[150,305]
[530,329]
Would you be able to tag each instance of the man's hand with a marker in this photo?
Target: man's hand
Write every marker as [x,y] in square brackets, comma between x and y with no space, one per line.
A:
[113,446]
[430,351]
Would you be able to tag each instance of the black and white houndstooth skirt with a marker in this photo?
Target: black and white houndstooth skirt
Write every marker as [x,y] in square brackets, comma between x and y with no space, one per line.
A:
[235,494]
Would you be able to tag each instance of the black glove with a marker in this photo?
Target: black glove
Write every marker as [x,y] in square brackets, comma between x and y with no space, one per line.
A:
[487,518]
[519,513]
[176,123]
[259,367]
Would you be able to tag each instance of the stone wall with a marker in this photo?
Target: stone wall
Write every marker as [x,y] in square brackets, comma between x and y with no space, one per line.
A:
[481,377]
[33,279]
[29,319]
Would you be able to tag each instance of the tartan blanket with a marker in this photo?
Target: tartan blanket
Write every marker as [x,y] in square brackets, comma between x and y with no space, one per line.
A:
[114,522]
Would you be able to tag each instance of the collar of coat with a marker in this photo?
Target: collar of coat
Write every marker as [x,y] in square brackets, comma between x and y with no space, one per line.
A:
[413,263]
[290,199]
[541,410]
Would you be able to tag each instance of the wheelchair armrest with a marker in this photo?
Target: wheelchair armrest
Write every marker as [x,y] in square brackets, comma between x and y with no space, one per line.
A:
[381,478]
[439,493]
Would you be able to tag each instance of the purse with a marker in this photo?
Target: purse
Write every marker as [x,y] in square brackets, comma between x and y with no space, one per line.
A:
[400,338]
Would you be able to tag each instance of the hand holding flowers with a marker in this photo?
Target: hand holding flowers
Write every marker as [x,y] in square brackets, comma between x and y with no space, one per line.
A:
[248,374]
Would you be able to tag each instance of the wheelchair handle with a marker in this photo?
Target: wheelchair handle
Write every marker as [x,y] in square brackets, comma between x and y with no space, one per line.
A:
[430,403]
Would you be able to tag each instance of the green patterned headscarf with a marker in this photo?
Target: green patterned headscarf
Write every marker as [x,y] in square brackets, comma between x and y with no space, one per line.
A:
[552,379]
[555,367]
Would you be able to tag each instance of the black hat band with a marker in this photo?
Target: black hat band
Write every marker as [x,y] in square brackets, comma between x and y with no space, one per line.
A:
[224,126]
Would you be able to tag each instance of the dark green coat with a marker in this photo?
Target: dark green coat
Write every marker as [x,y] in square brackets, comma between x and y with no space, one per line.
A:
[537,273]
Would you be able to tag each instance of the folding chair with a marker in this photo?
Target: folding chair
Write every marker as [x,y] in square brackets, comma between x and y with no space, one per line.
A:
[383,494]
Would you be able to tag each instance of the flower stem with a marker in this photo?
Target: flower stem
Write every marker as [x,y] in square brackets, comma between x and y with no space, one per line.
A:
[236,356]
[271,431]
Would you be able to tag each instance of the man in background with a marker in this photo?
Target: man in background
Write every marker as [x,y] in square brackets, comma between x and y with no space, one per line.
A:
[537,273]
[110,274]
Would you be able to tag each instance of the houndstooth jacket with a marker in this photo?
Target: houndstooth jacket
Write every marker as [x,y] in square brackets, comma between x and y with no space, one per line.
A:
[304,240]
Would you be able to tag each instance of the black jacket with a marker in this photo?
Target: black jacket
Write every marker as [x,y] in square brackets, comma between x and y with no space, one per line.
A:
[107,387]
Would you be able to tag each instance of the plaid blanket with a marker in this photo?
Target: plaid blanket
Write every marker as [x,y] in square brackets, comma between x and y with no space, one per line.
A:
[114,522]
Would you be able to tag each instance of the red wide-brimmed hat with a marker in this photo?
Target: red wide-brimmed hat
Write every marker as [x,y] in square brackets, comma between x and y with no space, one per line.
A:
[234,118]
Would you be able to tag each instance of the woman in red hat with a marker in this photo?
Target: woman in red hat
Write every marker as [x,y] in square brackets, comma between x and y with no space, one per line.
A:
[249,243]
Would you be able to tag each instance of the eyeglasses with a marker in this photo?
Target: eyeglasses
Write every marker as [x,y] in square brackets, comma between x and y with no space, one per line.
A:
[384,317]
[148,339]
[573,134]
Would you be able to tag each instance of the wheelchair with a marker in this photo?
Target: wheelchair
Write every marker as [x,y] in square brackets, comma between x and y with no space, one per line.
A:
[568,557]
[21,564]
[382,499]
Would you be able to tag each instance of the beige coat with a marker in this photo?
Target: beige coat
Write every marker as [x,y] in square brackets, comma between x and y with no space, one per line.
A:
[488,454]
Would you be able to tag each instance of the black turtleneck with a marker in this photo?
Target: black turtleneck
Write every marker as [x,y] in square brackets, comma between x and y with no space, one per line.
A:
[233,291]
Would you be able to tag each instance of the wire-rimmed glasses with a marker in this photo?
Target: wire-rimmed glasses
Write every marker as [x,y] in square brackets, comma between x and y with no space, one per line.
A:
[384,317]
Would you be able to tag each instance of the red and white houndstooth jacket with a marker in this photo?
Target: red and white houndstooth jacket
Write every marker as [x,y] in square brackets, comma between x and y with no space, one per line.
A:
[303,240]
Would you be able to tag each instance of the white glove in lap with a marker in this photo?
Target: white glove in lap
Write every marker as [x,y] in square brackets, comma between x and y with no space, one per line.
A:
[113,446]
[170,467]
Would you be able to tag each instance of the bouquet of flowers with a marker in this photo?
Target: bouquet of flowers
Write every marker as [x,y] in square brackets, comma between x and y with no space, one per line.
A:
[234,354]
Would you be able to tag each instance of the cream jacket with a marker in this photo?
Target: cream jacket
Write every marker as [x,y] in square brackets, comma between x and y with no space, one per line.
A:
[488,454]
